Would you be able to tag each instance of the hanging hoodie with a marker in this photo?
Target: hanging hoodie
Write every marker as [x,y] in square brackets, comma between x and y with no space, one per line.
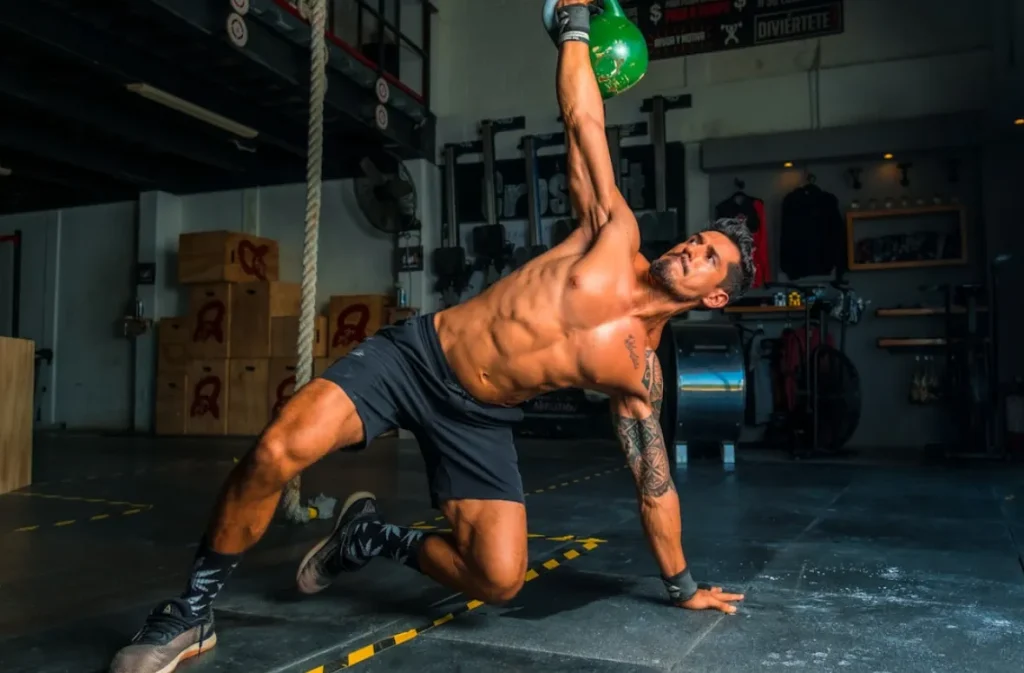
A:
[813,241]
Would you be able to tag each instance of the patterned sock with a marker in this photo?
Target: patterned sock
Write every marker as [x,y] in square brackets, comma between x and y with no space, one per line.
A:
[210,571]
[375,538]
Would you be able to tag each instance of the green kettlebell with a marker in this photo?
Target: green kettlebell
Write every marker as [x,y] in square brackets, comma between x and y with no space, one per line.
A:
[618,50]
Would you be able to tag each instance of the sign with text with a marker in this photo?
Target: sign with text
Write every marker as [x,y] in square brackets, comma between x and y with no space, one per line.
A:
[686,27]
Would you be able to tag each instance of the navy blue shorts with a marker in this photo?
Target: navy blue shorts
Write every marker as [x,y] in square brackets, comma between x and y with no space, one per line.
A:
[400,378]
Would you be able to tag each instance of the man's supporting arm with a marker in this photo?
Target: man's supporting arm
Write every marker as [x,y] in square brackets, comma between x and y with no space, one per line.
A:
[638,426]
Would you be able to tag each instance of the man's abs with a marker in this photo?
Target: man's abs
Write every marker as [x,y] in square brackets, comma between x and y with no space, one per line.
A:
[524,335]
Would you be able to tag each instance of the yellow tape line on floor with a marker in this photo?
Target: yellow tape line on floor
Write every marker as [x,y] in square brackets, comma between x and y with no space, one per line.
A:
[133,509]
[583,546]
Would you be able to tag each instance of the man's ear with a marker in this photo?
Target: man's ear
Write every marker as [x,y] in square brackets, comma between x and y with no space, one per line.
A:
[716,299]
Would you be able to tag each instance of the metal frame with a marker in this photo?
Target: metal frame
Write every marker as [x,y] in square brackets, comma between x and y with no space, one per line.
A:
[15,239]
[351,82]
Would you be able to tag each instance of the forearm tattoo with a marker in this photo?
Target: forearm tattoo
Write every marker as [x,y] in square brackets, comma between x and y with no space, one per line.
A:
[642,439]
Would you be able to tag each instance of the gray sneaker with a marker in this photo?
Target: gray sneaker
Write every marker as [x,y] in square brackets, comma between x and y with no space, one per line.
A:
[170,635]
[325,561]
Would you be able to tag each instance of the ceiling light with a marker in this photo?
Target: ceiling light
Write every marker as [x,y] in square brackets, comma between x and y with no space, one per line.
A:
[192,110]
[1018,122]
[788,164]
[887,155]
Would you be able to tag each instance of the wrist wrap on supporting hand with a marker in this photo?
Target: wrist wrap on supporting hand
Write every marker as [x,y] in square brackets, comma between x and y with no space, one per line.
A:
[681,587]
[573,23]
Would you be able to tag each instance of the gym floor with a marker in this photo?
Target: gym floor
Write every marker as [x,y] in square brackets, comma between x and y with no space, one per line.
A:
[846,568]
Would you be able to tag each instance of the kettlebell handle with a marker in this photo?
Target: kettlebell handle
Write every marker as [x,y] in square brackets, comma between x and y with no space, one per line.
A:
[610,8]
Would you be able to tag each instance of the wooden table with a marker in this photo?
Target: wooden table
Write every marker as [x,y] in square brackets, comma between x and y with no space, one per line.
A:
[17,390]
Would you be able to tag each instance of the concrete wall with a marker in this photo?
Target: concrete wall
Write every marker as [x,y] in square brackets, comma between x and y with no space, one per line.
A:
[895,60]
[78,281]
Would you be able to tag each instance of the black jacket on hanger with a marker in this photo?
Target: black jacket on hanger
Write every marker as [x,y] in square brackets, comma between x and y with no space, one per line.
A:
[813,237]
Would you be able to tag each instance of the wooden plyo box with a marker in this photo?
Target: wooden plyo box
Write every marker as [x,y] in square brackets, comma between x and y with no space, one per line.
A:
[17,395]
[172,345]
[281,381]
[209,321]
[247,404]
[253,308]
[171,410]
[284,337]
[207,397]
[353,318]
[226,256]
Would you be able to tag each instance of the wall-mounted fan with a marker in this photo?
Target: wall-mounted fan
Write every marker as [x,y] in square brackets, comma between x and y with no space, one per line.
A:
[386,194]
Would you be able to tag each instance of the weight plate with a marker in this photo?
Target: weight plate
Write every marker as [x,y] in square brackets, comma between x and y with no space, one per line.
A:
[238,32]
[240,6]
[383,90]
[381,117]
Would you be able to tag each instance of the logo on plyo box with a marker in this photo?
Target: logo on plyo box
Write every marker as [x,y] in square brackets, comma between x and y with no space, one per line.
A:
[284,392]
[206,397]
[348,331]
[252,259]
[210,322]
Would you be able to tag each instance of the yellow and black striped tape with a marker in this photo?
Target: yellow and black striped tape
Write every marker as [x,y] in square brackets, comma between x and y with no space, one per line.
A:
[583,545]
[78,498]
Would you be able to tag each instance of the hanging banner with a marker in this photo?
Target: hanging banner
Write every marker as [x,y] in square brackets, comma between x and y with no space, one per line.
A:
[686,27]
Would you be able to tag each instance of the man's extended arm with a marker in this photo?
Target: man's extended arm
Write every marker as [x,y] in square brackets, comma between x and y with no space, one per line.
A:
[638,426]
[591,176]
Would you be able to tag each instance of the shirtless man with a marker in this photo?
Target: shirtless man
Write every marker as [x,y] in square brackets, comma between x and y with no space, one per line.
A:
[586,314]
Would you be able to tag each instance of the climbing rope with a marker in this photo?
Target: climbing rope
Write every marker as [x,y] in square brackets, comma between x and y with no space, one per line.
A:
[315,11]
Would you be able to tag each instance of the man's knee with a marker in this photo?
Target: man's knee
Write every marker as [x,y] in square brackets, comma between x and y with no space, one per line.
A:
[272,460]
[501,577]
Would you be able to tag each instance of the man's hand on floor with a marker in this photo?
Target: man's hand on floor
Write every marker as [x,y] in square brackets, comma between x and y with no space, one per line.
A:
[712,599]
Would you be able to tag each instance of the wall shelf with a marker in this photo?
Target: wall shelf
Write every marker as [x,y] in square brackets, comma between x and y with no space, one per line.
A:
[938,232]
[918,311]
[911,342]
[763,309]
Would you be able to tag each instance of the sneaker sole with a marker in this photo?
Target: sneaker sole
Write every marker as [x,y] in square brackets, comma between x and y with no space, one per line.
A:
[189,652]
[352,499]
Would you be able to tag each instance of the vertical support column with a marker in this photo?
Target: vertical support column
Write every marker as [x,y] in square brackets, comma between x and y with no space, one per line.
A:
[658,140]
[51,302]
[159,226]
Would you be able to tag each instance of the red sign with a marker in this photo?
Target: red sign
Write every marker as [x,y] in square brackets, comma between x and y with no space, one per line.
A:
[348,332]
[284,392]
[206,397]
[252,258]
[210,322]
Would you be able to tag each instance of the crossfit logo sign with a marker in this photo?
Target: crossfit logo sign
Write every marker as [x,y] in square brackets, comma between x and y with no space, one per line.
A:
[282,394]
[252,259]
[206,398]
[731,30]
[210,322]
[350,327]
[684,27]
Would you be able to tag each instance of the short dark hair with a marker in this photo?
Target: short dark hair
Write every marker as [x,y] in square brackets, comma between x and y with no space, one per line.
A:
[738,277]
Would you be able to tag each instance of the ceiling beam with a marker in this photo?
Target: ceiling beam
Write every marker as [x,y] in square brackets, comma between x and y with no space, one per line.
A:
[76,39]
[48,173]
[276,53]
[92,155]
[79,106]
